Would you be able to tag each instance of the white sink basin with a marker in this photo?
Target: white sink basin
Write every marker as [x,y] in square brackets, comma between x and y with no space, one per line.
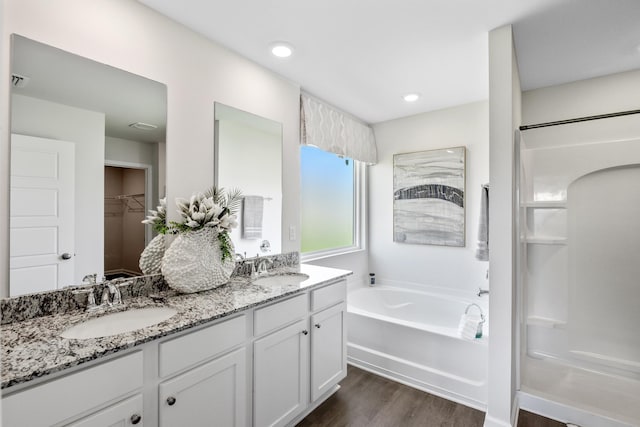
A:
[117,323]
[281,280]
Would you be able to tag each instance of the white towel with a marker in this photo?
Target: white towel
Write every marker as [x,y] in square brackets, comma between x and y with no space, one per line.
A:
[482,253]
[470,326]
[252,208]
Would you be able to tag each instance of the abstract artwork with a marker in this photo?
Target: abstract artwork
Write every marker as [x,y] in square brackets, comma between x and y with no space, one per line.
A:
[428,197]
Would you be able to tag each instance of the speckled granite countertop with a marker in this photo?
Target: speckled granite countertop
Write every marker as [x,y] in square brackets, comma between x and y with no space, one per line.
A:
[33,348]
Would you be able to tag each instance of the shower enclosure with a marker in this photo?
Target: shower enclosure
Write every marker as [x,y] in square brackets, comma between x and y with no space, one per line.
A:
[579,270]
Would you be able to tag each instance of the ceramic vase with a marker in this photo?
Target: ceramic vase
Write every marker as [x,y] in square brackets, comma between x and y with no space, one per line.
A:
[193,262]
[151,257]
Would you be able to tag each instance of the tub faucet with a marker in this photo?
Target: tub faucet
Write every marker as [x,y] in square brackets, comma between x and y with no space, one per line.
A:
[482,292]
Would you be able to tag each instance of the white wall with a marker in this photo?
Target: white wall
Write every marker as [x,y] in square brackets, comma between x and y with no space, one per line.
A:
[504,119]
[45,119]
[449,267]
[601,95]
[127,35]
[260,155]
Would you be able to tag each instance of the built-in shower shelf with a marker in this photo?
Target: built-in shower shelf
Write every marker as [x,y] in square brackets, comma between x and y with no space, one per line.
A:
[552,204]
[546,322]
[533,240]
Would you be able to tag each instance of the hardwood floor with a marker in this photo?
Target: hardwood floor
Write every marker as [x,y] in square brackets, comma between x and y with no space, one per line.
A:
[369,400]
[365,399]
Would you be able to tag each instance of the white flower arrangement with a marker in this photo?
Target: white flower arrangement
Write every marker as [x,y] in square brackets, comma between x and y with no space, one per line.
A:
[202,211]
[214,209]
[158,218]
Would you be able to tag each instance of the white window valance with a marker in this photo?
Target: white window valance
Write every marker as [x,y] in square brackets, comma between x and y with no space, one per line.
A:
[332,130]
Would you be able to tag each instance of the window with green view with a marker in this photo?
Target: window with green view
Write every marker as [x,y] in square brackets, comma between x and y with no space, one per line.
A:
[327,200]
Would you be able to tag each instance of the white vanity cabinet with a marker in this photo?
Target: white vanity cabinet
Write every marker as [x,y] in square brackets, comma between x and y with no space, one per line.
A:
[211,391]
[213,394]
[265,366]
[280,361]
[125,413]
[105,394]
[328,350]
[301,362]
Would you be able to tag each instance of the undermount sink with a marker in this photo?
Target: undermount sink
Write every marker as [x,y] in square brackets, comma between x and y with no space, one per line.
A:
[281,280]
[118,323]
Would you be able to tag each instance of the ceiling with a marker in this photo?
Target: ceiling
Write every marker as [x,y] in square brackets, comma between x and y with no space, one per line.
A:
[65,78]
[363,59]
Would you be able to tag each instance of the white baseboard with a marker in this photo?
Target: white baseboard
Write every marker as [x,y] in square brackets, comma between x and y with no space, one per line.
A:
[490,421]
[565,413]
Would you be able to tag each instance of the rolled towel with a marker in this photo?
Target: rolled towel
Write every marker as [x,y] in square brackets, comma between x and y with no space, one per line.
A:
[470,326]
[482,253]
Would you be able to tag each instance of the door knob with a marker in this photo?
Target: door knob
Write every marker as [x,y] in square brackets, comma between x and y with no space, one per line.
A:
[305,332]
[66,255]
[317,325]
[171,400]
[135,419]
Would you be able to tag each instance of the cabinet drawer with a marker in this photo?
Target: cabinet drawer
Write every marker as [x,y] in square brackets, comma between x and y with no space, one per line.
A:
[328,295]
[121,414]
[190,349]
[67,396]
[279,314]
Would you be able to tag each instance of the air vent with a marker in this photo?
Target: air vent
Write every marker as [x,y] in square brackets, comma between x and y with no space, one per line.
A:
[143,126]
[19,81]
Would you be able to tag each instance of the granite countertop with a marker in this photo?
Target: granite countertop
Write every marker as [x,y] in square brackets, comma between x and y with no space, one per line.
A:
[33,348]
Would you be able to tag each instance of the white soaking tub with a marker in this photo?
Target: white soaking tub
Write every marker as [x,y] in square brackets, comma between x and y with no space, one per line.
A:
[411,336]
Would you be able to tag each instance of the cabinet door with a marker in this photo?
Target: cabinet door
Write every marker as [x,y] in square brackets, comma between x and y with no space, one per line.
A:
[213,394]
[328,350]
[281,384]
[122,414]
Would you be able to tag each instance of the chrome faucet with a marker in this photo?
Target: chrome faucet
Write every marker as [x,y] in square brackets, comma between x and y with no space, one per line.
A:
[111,290]
[262,266]
[90,279]
[482,292]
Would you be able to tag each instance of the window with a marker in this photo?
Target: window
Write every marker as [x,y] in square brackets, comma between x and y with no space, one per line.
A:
[330,188]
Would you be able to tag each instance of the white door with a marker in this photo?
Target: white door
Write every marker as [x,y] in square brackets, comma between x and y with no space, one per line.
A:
[281,375]
[328,350]
[42,214]
[211,395]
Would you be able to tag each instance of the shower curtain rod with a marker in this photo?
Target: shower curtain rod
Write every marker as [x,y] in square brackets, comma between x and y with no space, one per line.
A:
[579,119]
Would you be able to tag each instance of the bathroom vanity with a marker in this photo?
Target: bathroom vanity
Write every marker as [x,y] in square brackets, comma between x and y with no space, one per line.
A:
[239,355]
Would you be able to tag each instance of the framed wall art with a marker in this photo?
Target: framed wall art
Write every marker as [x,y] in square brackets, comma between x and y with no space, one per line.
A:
[429,197]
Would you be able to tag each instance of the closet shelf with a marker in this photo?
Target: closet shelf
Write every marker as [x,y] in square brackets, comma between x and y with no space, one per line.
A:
[131,202]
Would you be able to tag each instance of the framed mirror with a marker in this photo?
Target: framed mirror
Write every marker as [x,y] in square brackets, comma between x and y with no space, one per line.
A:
[248,152]
[87,162]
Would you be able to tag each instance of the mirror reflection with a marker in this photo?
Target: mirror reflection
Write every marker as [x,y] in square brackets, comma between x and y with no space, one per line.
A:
[87,162]
[249,157]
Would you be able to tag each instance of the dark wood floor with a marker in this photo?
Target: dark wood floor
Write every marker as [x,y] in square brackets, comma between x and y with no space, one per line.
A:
[365,399]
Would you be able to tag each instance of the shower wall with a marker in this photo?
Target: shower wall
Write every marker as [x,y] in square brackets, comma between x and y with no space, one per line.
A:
[580,263]
[578,226]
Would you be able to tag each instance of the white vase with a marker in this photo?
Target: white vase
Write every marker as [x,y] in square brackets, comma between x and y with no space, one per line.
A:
[151,257]
[193,262]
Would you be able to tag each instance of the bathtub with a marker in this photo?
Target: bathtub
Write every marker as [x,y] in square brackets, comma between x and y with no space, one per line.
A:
[411,336]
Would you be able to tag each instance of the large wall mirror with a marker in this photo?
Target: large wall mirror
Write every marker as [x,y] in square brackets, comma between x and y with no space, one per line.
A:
[87,162]
[249,157]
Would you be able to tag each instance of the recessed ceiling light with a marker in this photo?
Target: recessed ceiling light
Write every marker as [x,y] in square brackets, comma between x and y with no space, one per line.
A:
[281,49]
[143,126]
[411,97]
